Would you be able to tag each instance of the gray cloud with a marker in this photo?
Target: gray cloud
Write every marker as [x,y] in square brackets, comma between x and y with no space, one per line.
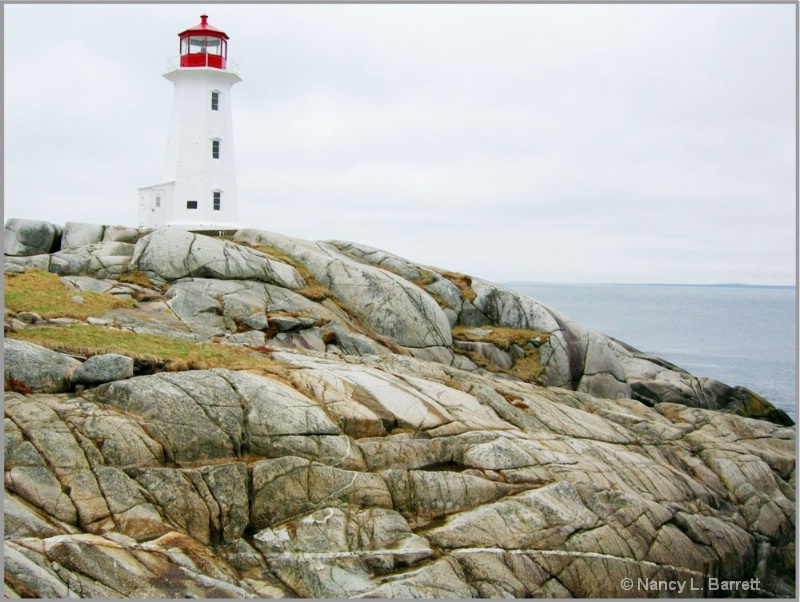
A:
[542,142]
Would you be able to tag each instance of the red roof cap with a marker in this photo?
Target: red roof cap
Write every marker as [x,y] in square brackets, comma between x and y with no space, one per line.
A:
[203,29]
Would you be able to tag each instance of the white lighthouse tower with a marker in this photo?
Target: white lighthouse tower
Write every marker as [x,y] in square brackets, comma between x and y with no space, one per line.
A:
[199,187]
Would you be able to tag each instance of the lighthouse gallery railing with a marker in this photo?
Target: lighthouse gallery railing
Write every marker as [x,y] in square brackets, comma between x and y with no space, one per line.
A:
[175,63]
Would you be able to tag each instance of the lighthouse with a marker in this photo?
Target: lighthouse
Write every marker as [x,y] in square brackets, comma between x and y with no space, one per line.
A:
[198,191]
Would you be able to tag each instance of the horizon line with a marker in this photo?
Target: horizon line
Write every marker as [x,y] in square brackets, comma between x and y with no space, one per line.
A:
[706,285]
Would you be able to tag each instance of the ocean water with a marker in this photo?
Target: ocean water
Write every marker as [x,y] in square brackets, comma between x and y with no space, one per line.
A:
[738,335]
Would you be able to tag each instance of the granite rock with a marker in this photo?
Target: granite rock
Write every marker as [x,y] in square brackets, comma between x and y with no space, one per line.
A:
[79,235]
[358,456]
[29,367]
[29,237]
[103,368]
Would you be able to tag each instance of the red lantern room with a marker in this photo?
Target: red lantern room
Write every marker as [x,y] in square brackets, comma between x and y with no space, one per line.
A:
[204,46]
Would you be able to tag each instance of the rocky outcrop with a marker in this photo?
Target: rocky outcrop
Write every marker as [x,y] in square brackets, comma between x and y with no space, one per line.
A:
[388,304]
[33,368]
[341,297]
[79,235]
[104,368]
[173,254]
[25,237]
[396,431]
[654,380]
[124,233]
[384,476]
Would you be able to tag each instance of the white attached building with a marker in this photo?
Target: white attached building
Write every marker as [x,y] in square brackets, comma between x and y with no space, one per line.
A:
[199,187]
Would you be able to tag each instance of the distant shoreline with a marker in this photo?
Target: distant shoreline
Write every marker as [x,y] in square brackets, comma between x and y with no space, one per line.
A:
[722,285]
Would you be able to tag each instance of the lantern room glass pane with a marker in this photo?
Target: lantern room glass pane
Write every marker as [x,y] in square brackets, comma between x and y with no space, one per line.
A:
[214,46]
[184,45]
[197,45]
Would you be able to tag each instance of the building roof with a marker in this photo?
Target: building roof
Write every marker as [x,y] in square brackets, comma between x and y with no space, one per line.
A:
[203,28]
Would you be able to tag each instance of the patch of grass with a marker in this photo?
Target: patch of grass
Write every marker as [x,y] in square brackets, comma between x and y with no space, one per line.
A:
[137,278]
[284,257]
[156,353]
[425,277]
[313,291]
[463,282]
[44,294]
[329,337]
[140,279]
[500,336]
[526,368]
[439,300]
[424,280]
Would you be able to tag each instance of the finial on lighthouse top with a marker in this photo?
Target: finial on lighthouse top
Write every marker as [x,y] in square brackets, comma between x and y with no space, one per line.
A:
[204,46]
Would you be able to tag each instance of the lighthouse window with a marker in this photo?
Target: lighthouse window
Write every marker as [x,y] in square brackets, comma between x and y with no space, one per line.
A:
[217,201]
[215,149]
[215,101]
[213,45]
[202,45]
[197,45]
[191,204]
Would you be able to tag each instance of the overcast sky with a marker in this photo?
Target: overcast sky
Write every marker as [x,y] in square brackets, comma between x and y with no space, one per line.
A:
[552,143]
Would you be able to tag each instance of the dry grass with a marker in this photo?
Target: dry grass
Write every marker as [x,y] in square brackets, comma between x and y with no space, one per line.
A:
[284,257]
[439,300]
[463,282]
[527,368]
[155,353]
[137,278]
[44,294]
[499,336]
[314,291]
[424,280]
[274,252]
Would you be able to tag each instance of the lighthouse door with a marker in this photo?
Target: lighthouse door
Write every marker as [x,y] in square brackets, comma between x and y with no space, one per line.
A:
[155,206]
[158,211]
